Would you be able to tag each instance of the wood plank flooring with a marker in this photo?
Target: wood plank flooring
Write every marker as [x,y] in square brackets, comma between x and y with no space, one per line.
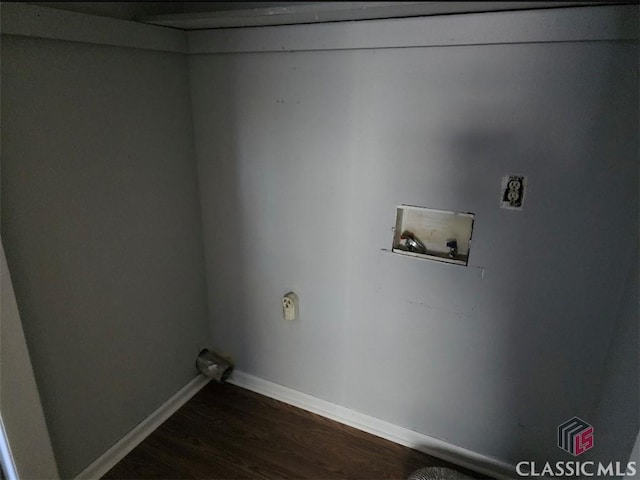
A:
[226,432]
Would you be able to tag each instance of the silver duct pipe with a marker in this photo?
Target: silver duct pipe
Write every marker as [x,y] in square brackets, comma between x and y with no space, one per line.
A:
[213,366]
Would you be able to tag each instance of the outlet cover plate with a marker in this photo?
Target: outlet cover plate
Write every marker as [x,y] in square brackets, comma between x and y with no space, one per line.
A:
[513,191]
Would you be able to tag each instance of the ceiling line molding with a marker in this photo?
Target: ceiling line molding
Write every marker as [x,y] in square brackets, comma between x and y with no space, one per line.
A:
[322,12]
[598,23]
[41,22]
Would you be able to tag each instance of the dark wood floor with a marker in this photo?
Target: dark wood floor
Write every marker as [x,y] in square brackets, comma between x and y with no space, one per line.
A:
[226,432]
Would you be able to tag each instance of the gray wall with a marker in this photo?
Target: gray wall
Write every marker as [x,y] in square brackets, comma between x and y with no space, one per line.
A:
[303,157]
[618,417]
[101,226]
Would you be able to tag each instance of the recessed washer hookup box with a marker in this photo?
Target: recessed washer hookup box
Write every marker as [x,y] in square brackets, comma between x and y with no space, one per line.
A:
[433,234]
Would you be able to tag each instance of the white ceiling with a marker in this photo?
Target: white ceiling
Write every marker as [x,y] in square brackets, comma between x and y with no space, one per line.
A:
[204,15]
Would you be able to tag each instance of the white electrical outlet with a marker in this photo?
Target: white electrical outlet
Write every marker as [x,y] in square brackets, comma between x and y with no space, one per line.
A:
[290,306]
[512,192]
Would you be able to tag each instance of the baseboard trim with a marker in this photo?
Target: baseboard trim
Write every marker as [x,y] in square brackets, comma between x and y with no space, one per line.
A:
[403,436]
[122,447]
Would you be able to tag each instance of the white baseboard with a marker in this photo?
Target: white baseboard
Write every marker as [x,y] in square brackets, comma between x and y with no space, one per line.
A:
[403,436]
[122,447]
